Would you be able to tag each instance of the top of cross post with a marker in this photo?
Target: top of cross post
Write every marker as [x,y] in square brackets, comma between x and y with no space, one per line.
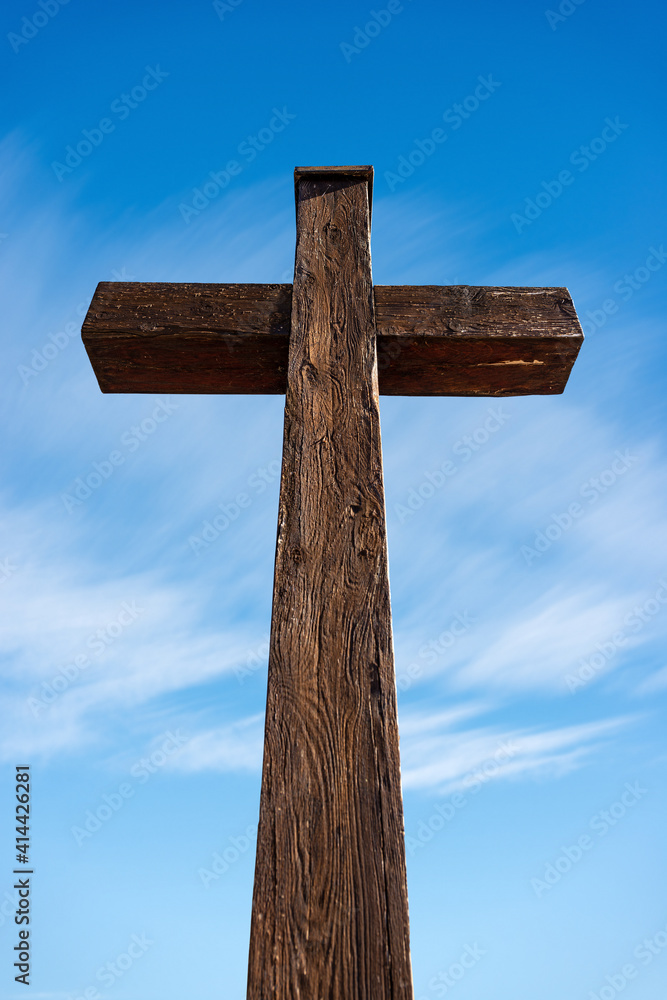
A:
[358,172]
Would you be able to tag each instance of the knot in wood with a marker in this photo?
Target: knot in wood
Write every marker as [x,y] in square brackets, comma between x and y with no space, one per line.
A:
[309,372]
[567,308]
[333,234]
[307,278]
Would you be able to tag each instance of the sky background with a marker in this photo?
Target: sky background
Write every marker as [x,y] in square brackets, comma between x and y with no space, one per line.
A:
[532,741]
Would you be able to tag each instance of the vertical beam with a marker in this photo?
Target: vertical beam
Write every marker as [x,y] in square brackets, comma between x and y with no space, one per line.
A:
[330,915]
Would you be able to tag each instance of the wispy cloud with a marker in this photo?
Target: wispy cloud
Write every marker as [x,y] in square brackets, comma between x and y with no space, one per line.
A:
[537,648]
[76,649]
[437,755]
[234,747]
[655,682]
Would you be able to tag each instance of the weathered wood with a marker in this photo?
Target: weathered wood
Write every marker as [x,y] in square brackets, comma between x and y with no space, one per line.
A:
[330,917]
[197,338]
[322,173]
[470,341]
[432,340]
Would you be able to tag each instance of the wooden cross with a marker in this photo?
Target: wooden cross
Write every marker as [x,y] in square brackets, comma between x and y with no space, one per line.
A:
[330,909]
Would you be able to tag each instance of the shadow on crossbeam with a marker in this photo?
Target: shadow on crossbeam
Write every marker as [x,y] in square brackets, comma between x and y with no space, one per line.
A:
[454,340]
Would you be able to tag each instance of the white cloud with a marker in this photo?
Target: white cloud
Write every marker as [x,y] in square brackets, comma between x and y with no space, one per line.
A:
[77,647]
[656,681]
[448,760]
[537,649]
[234,747]
[462,550]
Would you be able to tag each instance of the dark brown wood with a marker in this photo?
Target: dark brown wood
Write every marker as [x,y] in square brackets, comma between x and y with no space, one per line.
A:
[469,341]
[189,338]
[320,173]
[432,340]
[330,916]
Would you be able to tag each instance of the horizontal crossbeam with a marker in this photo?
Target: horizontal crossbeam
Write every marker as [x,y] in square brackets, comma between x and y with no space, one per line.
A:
[432,340]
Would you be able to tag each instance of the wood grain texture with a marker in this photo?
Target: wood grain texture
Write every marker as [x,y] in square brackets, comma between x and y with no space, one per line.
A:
[330,916]
[460,340]
[189,338]
[317,173]
[432,340]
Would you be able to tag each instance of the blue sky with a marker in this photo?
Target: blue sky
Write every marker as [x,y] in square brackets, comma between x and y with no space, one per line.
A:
[528,593]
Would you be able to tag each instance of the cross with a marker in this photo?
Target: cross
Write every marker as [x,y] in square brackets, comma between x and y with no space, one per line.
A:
[330,908]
